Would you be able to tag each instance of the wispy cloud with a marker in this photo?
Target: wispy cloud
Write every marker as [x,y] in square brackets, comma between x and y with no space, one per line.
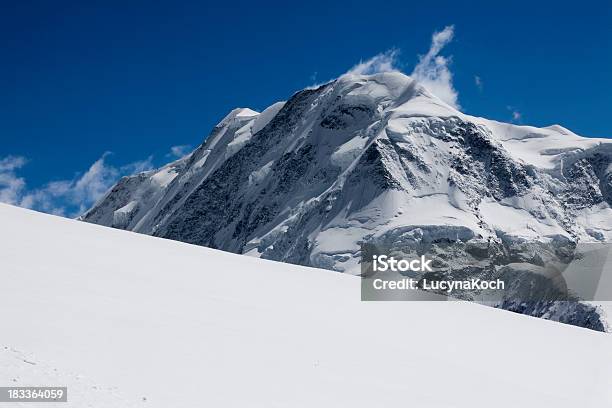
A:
[383,62]
[63,197]
[433,69]
[516,115]
[11,163]
[478,82]
[179,151]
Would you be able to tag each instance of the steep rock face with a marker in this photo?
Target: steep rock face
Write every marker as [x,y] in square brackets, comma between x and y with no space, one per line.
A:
[368,159]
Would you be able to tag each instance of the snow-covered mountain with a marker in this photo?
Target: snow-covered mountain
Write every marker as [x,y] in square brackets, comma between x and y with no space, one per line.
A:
[127,320]
[369,159]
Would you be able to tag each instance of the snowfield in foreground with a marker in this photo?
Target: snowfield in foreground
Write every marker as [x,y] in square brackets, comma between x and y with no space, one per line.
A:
[127,320]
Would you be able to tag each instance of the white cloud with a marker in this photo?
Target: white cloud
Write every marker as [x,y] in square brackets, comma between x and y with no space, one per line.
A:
[178,151]
[478,82]
[11,163]
[516,115]
[11,186]
[63,197]
[384,62]
[433,69]
[137,167]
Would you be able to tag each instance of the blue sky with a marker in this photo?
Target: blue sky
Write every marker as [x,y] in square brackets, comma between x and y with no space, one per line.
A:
[94,91]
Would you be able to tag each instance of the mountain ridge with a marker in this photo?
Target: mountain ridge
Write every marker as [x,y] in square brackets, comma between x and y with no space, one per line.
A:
[377,159]
[404,136]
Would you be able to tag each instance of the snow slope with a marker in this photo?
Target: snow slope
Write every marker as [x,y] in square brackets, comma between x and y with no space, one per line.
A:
[129,320]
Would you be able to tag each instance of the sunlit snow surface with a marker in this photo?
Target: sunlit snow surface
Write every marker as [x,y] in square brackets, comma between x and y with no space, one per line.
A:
[128,320]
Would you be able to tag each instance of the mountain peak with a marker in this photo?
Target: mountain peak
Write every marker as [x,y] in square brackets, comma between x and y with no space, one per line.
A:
[239,114]
[394,91]
[366,158]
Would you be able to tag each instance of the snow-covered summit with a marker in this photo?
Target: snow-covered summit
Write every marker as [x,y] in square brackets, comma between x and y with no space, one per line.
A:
[369,159]
[398,94]
[363,157]
[238,114]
